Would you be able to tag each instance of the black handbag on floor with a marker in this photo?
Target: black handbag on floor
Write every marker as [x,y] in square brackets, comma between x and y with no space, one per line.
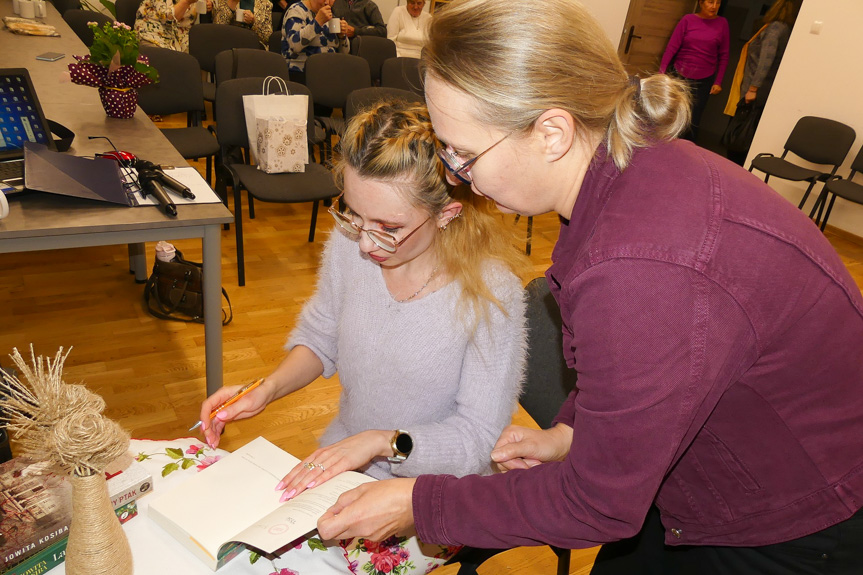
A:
[741,128]
[175,291]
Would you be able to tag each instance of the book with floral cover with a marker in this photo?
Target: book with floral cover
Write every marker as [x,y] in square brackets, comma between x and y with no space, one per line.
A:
[233,502]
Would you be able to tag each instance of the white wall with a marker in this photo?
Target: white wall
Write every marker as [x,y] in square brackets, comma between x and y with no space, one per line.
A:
[819,76]
[611,15]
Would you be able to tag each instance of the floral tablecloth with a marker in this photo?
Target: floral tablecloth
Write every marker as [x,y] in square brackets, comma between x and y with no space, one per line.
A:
[154,552]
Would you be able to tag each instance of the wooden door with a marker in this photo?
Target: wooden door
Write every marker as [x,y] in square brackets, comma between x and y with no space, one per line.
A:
[648,26]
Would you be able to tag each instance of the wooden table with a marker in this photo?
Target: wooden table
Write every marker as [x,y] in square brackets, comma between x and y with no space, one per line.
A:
[43,221]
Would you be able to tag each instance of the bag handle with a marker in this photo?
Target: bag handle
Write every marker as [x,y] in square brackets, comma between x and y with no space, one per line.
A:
[280,83]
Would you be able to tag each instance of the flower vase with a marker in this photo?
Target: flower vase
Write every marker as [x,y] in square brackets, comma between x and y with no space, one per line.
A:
[97,543]
[119,102]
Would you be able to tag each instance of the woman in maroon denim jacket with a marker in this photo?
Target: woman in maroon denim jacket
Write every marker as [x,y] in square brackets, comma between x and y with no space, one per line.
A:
[718,337]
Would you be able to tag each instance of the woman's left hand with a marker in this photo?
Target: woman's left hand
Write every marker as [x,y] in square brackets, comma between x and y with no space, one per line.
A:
[325,463]
[373,510]
[715,89]
[248,17]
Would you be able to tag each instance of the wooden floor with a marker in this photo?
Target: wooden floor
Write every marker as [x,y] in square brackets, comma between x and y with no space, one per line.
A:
[151,372]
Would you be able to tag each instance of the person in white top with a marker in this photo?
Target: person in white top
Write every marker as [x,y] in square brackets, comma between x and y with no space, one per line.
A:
[408,27]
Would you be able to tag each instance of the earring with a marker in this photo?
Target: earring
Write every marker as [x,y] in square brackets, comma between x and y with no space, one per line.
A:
[443,227]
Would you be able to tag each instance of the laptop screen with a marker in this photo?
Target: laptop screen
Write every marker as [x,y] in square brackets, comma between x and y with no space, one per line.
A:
[21,117]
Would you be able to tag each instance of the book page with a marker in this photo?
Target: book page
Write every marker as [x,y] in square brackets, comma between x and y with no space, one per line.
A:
[300,515]
[227,497]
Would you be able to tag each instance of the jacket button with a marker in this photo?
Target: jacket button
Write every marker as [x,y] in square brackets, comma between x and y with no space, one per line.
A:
[677,532]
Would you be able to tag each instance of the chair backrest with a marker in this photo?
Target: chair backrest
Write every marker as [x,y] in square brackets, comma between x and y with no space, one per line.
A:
[275,43]
[63,5]
[229,108]
[549,381]
[207,40]
[402,73]
[78,20]
[821,141]
[376,50]
[127,10]
[277,20]
[332,76]
[249,64]
[179,87]
[857,164]
[365,97]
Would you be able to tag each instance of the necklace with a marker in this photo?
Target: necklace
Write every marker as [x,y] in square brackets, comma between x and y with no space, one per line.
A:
[419,291]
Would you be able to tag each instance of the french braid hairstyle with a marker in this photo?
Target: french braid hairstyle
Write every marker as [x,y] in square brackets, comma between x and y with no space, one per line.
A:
[516,66]
[393,142]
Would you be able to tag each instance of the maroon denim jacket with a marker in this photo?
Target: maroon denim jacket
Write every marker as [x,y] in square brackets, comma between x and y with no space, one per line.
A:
[719,345]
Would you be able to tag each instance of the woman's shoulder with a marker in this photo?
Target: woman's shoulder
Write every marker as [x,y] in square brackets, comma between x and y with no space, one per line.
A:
[501,280]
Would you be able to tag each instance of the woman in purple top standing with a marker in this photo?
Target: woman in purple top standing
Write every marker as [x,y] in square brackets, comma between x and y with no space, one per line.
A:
[698,52]
[718,337]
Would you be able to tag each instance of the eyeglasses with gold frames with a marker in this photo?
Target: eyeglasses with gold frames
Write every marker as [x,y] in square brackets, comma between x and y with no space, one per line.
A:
[383,240]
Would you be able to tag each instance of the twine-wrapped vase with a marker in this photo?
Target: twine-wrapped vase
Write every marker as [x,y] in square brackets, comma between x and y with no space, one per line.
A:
[97,543]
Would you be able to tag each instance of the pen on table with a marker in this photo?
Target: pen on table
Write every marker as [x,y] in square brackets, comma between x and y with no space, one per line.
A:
[231,400]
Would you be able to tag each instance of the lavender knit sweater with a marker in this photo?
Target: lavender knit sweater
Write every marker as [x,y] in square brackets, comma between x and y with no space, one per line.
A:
[415,366]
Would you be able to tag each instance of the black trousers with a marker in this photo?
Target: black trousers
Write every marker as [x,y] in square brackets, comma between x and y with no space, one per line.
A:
[837,550]
[700,90]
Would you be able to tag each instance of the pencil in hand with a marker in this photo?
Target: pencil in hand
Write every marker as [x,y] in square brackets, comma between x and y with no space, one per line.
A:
[231,400]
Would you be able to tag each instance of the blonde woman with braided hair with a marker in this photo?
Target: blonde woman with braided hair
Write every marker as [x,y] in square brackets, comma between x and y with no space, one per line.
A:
[419,309]
[716,424]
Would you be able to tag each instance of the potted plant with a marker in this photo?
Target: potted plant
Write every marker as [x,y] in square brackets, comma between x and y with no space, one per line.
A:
[115,66]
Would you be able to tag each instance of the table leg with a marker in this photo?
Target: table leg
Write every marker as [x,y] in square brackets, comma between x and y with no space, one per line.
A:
[213,306]
[138,262]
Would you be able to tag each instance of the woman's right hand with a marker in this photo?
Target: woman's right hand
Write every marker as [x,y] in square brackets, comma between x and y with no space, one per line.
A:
[249,405]
[324,15]
[522,448]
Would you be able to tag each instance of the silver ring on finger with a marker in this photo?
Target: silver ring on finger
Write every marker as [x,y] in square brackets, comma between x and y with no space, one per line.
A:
[321,465]
[309,465]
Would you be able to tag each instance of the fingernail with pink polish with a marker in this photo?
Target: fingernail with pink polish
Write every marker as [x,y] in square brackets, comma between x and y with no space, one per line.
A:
[287,495]
[280,485]
[310,485]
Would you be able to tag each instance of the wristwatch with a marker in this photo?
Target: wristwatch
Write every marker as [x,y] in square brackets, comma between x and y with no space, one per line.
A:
[402,444]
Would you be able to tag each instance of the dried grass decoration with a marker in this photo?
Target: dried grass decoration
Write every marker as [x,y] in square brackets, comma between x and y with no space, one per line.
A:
[62,424]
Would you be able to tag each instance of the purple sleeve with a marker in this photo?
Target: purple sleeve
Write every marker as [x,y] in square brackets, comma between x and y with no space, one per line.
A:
[723,53]
[673,45]
[647,355]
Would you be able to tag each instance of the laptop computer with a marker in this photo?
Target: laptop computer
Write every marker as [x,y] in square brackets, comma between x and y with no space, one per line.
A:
[21,120]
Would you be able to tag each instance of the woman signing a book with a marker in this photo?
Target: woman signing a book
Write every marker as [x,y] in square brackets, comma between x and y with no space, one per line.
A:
[419,309]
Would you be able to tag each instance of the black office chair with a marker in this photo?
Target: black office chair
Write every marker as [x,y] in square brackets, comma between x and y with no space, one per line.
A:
[840,188]
[375,50]
[313,185]
[179,90]
[548,383]
[366,97]
[331,77]
[78,21]
[277,21]
[63,5]
[275,43]
[816,140]
[402,73]
[127,10]
[207,40]
[248,63]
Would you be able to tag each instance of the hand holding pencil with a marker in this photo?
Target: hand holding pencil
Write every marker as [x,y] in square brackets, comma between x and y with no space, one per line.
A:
[228,404]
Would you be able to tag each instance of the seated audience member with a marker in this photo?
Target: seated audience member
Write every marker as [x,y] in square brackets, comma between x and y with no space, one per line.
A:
[408,28]
[257,15]
[165,24]
[419,310]
[305,32]
[360,18]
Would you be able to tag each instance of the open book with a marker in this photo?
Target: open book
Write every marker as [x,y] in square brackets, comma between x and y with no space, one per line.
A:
[234,502]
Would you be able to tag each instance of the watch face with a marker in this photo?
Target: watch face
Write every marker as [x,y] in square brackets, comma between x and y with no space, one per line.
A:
[404,443]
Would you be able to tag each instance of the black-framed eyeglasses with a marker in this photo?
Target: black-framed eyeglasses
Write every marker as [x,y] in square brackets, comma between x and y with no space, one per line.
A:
[459,167]
[383,240]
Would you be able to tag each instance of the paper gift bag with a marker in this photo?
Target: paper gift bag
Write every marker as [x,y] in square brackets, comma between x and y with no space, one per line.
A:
[283,106]
[281,145]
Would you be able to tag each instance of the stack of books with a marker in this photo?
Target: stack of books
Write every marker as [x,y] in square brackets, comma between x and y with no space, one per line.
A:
[36,511]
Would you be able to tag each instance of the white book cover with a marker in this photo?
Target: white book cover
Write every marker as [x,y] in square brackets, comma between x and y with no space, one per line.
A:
[234,501]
